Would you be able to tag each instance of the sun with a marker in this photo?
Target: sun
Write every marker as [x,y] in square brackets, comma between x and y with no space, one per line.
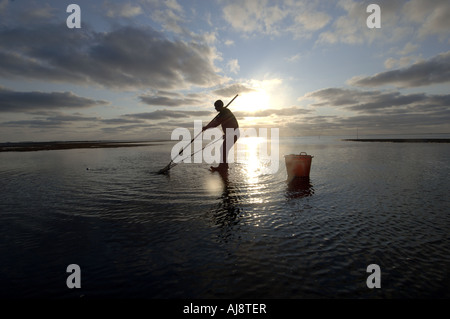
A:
[253,101]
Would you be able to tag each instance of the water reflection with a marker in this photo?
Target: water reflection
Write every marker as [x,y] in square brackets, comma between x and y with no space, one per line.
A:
[253,168]
[299,187]
[249,152]
[227,211]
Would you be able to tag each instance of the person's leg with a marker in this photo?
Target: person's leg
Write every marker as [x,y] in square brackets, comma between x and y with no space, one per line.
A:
[228,143]
[224,154]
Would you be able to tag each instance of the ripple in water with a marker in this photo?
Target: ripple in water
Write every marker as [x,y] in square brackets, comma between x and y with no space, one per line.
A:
[197,234]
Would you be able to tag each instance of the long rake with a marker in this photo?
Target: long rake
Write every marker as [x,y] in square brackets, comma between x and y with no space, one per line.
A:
[172,162]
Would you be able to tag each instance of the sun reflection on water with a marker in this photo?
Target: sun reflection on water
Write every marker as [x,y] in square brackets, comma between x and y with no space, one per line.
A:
[248,155]
[248,148]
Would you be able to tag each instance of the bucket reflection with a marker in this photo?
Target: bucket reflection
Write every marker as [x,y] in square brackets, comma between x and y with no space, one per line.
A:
[299,187]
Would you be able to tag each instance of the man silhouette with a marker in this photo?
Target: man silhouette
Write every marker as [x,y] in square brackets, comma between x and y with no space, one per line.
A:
[227,120]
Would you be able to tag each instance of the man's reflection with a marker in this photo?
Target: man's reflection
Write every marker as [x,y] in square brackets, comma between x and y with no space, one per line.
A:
[226,213]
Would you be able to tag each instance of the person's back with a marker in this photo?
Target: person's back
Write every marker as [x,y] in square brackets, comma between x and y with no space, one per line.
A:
[227,119]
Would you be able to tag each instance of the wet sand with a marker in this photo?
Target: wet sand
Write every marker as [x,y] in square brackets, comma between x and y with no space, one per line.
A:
[49,146]
[401,140]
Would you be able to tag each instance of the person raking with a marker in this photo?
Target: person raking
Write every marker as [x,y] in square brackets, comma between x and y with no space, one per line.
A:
[227,120]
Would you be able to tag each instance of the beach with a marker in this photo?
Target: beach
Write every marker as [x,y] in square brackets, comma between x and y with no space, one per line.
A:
[63,145]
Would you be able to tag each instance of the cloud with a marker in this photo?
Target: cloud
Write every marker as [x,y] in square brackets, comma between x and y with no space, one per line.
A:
[404,61]
[167,114]
[351,27]
[126,58]
[299,18]
[3,5]
[233,89]
[308,20]
[403,19]
[169,14]
[126,10]
[433,71]
[412,19]
[303,19]
[336,96]
[174,5]
[293,58]
[430,19]
[380,110]
[253,16]
[233,66]
[36,11]
[289,111]
[128,123]
[408,48]
[406,121]
[404,56]
[229,43]
[374,102]
[34,123]
[170,101]
[57,120]
[14,101]
[122,120]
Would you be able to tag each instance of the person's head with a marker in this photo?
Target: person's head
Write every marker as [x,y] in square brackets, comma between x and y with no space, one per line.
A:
[218,105]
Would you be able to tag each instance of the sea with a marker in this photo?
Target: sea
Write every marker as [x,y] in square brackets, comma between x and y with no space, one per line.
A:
[372,221]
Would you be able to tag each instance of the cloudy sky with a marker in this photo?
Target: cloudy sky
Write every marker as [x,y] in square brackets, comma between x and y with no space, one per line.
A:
[139,69]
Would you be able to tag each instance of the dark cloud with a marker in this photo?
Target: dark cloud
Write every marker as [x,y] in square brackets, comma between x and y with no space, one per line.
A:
[433,71]
[17,13]
[131,122]
[55,121]
[167,114]
[339,96]
[376,101]
[117,121]
[406,122]
[169,101]
[406,119]
[33,123]
[127,57]
[232,89]
[377,111]
[14,101]
[384,101]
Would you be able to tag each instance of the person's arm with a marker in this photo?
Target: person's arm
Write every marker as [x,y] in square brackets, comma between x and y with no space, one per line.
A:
[214,123]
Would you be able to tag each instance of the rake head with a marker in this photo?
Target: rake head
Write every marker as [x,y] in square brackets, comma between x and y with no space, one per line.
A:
[166,169]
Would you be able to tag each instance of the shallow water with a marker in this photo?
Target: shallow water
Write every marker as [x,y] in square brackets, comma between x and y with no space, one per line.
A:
[195,234]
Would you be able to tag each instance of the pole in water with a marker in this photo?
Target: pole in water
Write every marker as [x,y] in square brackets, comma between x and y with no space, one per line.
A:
[162,171]
[166,169]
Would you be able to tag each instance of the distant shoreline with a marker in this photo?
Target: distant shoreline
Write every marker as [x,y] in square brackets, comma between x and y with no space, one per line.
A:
[50,146]
[401,140]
